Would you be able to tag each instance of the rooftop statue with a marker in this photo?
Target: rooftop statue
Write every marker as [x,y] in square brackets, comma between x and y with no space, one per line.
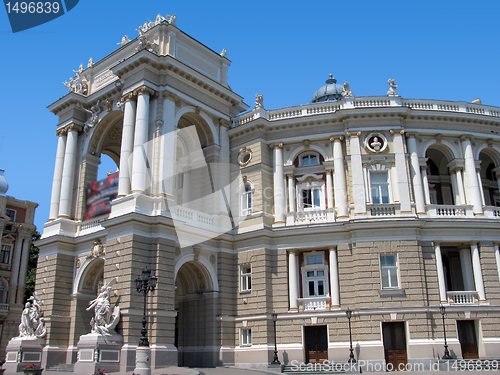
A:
[32,321]
[79,83]
[105,318]
[124,41]
[392,87]
[347,90]
[259,101]
[224,53]
[91,63]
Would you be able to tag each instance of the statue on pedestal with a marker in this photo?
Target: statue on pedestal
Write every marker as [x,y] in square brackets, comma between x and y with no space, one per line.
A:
[105,318]
[32,321]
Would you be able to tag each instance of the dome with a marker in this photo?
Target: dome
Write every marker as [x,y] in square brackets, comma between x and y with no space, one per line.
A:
[331,91]
[4,186]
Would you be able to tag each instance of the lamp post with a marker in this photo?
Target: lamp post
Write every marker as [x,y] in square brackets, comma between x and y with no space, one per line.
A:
[144,285]
[446,351]
[351,355]
[275,360]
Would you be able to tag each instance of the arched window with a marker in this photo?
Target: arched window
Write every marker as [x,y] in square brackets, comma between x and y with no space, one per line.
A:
[309,160]
[246,200]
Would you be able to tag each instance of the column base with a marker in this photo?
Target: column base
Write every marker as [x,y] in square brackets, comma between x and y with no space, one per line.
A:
[142,361]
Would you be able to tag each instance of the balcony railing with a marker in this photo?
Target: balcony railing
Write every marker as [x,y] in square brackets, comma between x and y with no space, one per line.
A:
[492,212]
[314,303]
[449,211]
[388,209]
[310,217]
[462,297]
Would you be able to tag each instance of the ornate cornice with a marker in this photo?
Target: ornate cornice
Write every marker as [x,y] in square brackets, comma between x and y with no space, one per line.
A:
[129,97]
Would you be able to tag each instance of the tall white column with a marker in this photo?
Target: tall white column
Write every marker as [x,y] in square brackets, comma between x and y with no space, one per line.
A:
[470,171]
[23,269]
[329,188]
[279,184]
[293,280]
[454,187]
[224,169]
[480,183]
[440,273]
[68,172]
[58,171]
[292,206]
[415,173]
[497,257]
[168,155]
[127,145]
[402,179]
[478,274]
[334,278]
[139,159]
[467,272]
[358,184]
[340,189]
[425,181]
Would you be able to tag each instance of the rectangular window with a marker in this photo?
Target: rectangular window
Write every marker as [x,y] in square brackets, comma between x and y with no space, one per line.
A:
[379,187]
[5,254]
[246,278]
[246,201]
[389,271]
[11,214]
[315,283]
[246,337]
[311,198]
[314,259]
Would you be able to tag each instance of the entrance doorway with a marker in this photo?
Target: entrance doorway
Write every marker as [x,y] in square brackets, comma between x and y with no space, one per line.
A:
[316,339]
[467,337]
[395,344]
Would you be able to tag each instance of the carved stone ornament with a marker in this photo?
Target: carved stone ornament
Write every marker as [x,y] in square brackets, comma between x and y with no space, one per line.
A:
[105,318]
[124,41]
[79,83]
[244,156]
[97,250]
[32,321]
[375,143]
[224,53]
[170,19]
[94,112]
[347,90]
[91,63]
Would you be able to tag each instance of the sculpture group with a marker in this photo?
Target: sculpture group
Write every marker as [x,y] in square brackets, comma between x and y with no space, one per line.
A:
[32,321]
[105,317]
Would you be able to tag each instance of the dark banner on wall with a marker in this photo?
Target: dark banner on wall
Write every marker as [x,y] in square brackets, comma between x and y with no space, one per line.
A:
[98,196]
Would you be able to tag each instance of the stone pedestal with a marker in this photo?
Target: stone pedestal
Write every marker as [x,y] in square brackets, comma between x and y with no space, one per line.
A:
[142,362]
[98,351]
[23,351]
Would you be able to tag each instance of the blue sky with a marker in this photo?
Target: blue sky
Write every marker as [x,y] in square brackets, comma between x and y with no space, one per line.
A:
[283,50]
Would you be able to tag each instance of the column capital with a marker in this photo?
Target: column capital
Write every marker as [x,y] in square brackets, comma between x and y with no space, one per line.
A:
[129,96]
[290,175]
[144,90]
[466,137]
[276,145]
[411,135]
[336,138]
[333,247]
[329,170]
[354,134]
[62,132]
[397,131]
[224,123]
[73,127]
[293,251]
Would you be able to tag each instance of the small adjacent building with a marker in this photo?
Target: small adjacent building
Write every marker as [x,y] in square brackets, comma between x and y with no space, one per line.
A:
[16,228]
[385,206]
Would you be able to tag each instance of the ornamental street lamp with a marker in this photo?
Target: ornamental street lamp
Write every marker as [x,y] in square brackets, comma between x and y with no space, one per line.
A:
[275,360]
[446,351]
[351,355]
[144,285]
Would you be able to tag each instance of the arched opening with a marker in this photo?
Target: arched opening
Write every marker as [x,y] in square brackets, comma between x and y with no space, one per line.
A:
[438,177]
[196,329]
[489,180]
[197,159]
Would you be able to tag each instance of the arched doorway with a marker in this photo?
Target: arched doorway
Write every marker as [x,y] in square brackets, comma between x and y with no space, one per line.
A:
[197,333]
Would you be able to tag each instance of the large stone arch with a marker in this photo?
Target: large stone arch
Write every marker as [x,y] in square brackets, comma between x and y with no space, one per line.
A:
[105,137]
[204,125]
[196,301]
[447,147]
[88,276]
[302,149]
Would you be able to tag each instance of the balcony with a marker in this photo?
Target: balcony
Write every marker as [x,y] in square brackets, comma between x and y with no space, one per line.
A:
[314,303]
[449,211]
[387,209]
[462,297]
[310,217]
[492,212]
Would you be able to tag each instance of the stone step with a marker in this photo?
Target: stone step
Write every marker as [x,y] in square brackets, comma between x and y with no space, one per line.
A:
[62,368]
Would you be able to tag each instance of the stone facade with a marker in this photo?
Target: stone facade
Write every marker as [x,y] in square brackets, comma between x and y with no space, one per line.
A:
[381,205]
